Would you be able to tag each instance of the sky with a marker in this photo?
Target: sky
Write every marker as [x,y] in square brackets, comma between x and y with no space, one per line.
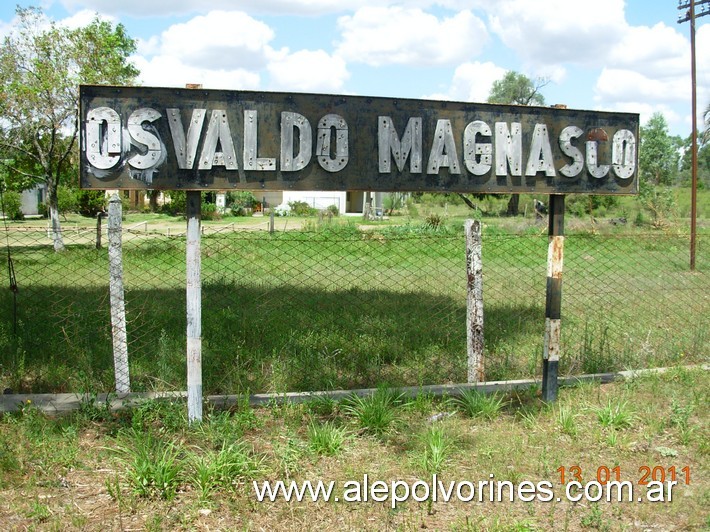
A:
[607,55]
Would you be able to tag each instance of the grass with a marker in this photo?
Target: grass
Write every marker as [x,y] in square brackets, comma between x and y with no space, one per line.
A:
[566,420]
[616,415]
[326,438]
[376,414]
[476,404]
[152,466]
[131,470]
[366,306]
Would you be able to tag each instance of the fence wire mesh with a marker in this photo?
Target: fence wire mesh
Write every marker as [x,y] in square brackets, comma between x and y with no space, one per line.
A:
[343,307]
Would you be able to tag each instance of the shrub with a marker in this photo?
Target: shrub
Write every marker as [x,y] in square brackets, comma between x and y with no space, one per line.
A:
[241,203]
[177,203]
[433,221]
[581,205]
[243,198]
[332,209]
[90,202]
[12,204]
[659,201]
[282,210]
[301,208]
[210,212]
[67,200]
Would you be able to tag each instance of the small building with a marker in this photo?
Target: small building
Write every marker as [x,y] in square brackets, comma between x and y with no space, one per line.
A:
[31,199]
[348,202]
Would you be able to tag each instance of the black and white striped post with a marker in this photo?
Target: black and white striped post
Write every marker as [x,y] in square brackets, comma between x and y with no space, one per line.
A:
[553,303]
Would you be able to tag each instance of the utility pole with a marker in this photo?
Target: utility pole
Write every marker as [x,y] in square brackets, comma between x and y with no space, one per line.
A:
[688,12]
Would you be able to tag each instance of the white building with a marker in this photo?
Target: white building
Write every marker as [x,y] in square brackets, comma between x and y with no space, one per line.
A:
[347,202]
[31,199]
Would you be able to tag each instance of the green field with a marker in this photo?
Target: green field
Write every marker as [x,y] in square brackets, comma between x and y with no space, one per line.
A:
[344,305]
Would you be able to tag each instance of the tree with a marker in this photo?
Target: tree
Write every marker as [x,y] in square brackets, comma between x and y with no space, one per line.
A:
[658,152]
[517,89]
[41,65]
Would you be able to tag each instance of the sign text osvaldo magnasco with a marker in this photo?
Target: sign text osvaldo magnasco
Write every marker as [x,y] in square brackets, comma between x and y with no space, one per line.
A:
[160,138]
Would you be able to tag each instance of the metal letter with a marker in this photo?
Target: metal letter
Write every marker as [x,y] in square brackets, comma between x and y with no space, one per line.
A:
[509,149]
[218,131]
[103,137]
[289,161]
[569,133]
[540,158]
[472,150]
[390,144]
[186,149]
[144,137]
[623,155]
[341,155]
[595,136]
[251,160]
[443,142]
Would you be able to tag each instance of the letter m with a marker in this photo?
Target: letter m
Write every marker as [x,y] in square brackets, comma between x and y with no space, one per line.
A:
[390,144]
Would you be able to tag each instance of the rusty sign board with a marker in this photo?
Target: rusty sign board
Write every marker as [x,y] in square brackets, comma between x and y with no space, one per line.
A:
[195,139]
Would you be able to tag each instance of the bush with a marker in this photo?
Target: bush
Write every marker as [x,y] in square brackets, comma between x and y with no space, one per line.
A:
[433,221]
[243,198]
[659,201]
[241,203]
[301,208]
[67,200]
[332,209]
[210,212]
[581,204]
[12,205]
[282,210]
[91,202]
[177,203]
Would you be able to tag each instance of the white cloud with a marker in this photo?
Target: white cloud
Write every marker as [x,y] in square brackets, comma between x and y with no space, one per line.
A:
[650,72]
[308,70]
[148,47]
[5,29]
[658,51]
[471,82]
[84,18]
[165,71]
[182,7]
[647,109]
[380,36]
[207,50]
[220,40]
[557,31]
[620,85]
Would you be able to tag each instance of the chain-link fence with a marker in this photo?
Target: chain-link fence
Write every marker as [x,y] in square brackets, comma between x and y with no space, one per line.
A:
[343,307]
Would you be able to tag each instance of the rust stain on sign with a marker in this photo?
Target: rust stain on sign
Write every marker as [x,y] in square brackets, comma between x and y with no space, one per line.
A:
[598,135]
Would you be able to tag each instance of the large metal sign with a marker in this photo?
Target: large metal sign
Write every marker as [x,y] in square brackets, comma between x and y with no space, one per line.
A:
[194,139]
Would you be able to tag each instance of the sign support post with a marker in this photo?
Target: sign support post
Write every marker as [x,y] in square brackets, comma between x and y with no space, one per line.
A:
[553,300]
[118,301]
[474,302]
[194,307]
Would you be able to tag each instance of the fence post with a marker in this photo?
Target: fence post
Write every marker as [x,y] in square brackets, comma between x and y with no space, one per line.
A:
[118,304]
[271,221]
[98,229]
[194,307]
[553,300]
[474,302]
